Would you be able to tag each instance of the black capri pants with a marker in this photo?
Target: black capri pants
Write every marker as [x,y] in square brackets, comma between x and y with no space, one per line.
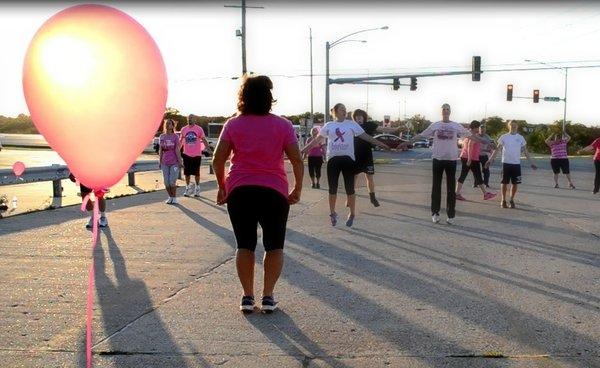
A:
[475,168]
[344,165]
[251,205]
[314,166]
[560,164]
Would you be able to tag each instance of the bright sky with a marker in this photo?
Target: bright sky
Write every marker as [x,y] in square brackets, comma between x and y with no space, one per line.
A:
[202,53]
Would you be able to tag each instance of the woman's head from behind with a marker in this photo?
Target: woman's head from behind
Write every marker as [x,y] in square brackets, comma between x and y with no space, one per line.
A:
[254,96]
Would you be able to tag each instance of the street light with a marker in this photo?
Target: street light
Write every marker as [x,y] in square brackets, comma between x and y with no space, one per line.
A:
[328,46]
[566,69]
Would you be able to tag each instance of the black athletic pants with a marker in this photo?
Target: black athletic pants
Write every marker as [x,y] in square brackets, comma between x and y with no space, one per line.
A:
[439,167]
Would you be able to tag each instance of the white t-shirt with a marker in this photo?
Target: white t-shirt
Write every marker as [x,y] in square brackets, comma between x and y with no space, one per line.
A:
[340,137]
[445,139]
[512,145]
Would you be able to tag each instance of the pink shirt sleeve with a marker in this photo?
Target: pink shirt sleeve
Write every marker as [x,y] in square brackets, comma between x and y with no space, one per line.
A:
[225,132]
[290,136]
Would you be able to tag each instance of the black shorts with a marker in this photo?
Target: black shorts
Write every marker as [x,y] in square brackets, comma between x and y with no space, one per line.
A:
[251,205]
[560,164]
[511,173]
[364,163]
[191,164]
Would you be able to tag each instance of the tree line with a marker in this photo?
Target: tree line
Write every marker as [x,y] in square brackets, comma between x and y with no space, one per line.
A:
[535,134]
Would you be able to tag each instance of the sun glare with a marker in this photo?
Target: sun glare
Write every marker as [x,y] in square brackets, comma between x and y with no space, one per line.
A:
[68,60]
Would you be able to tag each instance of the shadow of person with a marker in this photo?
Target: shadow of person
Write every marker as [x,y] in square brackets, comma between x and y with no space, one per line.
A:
[122,303]
[282,331]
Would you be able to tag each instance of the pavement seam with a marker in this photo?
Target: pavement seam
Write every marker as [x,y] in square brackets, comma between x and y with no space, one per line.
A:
[308,358]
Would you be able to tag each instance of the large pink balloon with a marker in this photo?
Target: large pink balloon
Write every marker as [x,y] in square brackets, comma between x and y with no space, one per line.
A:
[18,168]
[96,87]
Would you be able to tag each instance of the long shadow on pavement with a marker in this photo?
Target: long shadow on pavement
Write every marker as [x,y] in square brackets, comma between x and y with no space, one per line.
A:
[127,300]
[438,292]
[282,331]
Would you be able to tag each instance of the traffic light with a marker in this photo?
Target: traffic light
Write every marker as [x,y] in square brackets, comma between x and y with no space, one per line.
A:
[536,95]
[509,91]
[476,76]
[413,83]
[396,84]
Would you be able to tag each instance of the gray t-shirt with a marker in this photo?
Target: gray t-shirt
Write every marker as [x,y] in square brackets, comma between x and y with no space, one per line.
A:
[445,139]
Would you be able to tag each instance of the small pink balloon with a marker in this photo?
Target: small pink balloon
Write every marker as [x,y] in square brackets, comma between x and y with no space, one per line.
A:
[18,168]
[96,87]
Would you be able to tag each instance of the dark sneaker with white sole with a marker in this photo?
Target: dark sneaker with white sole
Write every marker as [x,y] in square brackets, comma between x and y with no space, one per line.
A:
[268,304]
[247,305]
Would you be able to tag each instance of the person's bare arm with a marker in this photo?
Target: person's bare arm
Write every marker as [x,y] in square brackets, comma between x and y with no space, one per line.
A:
[493,156]
[319,140]
[368,138]
[220,157]
[548,140]
[293,154]
[566,137]
[208,147]
[589,148]
[178,153]
[526,152]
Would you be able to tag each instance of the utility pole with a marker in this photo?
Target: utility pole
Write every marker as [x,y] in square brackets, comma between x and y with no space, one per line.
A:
[312,113]
[242,34]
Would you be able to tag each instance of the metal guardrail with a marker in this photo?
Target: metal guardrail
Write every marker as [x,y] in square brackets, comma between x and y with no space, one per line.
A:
[56,173]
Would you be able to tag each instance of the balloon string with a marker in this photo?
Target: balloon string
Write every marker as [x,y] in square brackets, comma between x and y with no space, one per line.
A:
[91,277]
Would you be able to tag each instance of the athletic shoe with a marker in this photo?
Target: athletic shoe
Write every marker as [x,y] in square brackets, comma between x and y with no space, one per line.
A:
[174,200]
[90,223]
[450,220]
[313,185]
[197,191]
[459,197]
[318,186]
[571,186]
[503,204]
[268,304]
[103,222]
[556,186]
[489,195]
[350,220]
[169,201]
[374,200]
[512,203]
[435,218]
[333,218]
[188,191]
[247,304]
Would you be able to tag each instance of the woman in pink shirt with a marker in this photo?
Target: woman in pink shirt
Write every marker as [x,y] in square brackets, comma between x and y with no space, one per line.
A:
[315,159]
[469,158]
[559,159]
[256,188]
[595,146]
[170,159]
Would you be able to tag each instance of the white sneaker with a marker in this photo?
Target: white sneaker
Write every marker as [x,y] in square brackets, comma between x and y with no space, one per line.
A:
[450,221]
[174,200]
[103,222]
[197,191]
[188,191]
[435,218]
[90,223]
[169,201]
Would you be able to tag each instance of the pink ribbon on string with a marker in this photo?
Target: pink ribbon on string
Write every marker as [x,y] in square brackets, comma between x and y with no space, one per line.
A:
[91,275]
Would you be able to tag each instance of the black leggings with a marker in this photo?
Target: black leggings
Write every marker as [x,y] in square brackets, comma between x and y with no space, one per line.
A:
[438,168]
[344,165]
[251,205]
[483,159]
[475,168]
[597,177]
[314,166]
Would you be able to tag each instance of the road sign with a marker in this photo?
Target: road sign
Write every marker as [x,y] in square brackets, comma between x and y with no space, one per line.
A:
[553,99]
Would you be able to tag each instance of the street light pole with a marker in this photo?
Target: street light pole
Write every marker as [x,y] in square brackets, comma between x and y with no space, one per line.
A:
[328,47]
[566,69]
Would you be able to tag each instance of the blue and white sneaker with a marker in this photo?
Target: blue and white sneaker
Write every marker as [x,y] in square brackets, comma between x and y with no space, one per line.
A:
[268,304]
[247,304]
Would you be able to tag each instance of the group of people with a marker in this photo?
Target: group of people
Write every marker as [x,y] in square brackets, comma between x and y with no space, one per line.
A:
[256,191]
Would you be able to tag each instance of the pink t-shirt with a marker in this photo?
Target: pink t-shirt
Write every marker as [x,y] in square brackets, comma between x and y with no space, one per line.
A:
[168,144]
[596,145]
[558,149]
[317,151]
[475,150]
[258,143]
[191,140]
